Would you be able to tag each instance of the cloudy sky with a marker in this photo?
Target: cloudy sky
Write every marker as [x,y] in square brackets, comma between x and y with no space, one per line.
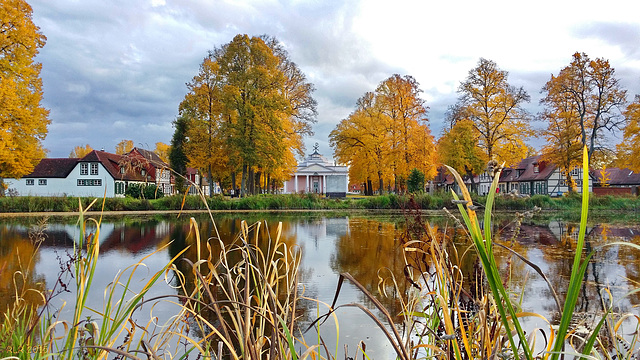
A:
[116,69]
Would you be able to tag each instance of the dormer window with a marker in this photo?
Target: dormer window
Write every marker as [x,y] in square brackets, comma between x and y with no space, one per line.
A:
[143,172]
[536,168]
[122,170]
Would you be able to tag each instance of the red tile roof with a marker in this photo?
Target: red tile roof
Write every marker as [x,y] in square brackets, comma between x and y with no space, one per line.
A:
[617,176]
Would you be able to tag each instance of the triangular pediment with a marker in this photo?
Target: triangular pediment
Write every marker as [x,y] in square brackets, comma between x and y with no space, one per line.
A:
[314,168]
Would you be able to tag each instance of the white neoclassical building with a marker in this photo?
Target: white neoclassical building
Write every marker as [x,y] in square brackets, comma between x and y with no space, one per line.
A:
[316,174]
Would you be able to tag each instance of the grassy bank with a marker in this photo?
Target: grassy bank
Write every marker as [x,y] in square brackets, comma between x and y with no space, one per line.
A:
[314,202]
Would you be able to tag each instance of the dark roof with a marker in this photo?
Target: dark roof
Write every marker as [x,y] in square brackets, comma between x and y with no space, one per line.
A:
[525,170]
[53,168]
[617,176]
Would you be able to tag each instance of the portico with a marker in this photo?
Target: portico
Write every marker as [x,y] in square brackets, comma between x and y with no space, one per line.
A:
[317,175]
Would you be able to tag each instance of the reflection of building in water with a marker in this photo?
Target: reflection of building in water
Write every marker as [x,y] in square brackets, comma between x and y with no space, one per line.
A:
[112,236]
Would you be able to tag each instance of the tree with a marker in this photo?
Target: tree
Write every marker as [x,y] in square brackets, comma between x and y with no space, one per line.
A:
[177,157]
[362,141]
[387,135]
[162,150]
[415,182]
[595,95]
[251,106]
[495,108]
[629,150]
[80,151]
[563,134]
[23,121]
[458,148]
[124,146]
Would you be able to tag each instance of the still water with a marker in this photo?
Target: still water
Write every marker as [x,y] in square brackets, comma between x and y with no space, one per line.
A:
[359,245]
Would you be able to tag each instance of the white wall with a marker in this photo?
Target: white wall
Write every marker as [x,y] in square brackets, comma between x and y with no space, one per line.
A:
[67,186]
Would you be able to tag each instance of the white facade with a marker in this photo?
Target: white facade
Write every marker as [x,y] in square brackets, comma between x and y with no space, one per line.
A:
[92,183]
[317,175]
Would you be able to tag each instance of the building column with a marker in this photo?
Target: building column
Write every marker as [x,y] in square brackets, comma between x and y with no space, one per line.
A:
[295,183]
[308,189]
[324,184]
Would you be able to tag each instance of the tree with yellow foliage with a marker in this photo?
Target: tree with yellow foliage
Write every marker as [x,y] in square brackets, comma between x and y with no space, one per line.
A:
[629,150]
[80,151]
[563,135]
[458,148]
[23,121]
[124,146]
[247,110]
[163,150]
[594,94]
[495,108]
[387,136]
[362,141]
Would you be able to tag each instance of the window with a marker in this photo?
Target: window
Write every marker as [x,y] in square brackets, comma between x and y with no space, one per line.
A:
[94,169]
[84,169]
[119,188]
[30,182]
[42,181]
[89,182]
[575,172]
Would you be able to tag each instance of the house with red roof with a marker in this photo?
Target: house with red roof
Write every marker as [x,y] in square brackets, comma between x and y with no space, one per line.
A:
[98,174]
[616,181]
[154,167]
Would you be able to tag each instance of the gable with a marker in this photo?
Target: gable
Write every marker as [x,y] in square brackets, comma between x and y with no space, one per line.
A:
[315,168]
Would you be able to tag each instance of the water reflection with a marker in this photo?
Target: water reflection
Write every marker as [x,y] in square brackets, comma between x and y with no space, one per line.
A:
[357,245]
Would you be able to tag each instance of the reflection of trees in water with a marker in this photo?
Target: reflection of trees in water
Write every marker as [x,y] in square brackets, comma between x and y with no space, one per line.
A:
[230,260]
[18,259]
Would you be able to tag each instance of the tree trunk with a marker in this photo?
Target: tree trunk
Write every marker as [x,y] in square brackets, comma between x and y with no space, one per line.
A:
[370,187]
[210,179]
[380,183]
[243,182]
[233,182]
[259,182]
[474,187]
[251,181]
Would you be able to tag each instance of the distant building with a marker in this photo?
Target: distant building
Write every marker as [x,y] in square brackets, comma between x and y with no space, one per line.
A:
[97,174]
[531,176]
[616,181]
[316,174]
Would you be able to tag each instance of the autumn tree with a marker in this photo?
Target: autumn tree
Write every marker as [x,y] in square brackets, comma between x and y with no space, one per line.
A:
[124,146]
[458,148]
[563,134]
[495,108]
[162,150]
[629,150]
[595,95]
[23,121]
[387,135]
[80,151]
[362,141]
[251,105]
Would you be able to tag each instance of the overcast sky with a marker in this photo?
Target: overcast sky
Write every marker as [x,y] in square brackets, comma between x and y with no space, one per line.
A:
[116,69]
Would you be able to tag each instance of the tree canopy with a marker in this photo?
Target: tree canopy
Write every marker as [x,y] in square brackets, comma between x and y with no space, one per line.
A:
[247,110]
[589,96]
[495,109]
[80,151]
[387,135]
[23,121]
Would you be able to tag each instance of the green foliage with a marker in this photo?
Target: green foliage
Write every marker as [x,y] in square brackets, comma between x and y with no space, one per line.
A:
[177,158]
[415,182]
[143,191]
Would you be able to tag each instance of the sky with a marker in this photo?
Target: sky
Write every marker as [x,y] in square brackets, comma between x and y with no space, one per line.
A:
[117,69]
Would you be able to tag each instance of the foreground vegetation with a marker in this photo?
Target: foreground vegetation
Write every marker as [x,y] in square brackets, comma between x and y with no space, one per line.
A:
[313,202]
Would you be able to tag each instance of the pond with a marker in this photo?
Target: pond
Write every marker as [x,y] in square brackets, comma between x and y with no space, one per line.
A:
[358,244]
